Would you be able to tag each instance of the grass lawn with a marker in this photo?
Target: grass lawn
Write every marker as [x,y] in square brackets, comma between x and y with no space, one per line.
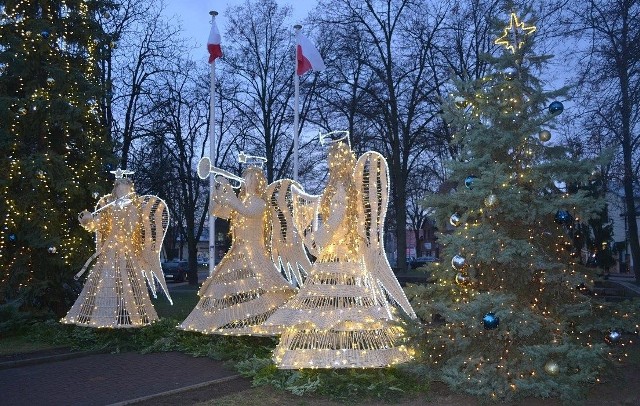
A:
[184,300]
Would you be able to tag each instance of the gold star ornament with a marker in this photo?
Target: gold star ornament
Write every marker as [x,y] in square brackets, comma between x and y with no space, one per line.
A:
[514,35]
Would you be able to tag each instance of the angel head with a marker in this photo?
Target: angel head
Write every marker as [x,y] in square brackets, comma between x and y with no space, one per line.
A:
[341,161]
[254,183]
[123,185]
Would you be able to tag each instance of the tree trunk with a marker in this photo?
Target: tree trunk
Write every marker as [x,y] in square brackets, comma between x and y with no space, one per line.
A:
[192,250]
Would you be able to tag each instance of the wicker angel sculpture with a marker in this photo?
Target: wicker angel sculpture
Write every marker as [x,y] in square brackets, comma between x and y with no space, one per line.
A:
[343,315]
[129,231]
[266,260]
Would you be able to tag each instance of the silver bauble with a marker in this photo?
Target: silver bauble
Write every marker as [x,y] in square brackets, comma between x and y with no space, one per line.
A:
[552,367]
[544,135]
[458,262]
[461,278]
[455,220]
[491,200]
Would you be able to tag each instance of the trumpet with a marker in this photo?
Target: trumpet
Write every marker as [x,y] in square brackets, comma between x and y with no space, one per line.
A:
[205,168]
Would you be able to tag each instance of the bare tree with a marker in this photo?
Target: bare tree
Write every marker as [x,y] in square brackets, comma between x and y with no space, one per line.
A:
[259,56]
[143,44]
[610,78]
[393,42]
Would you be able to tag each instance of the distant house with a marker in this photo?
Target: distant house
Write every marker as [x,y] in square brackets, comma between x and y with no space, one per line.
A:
[620,222]
[223,242]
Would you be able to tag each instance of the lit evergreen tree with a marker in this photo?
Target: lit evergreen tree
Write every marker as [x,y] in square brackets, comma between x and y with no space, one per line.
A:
[508,317]
[52,148]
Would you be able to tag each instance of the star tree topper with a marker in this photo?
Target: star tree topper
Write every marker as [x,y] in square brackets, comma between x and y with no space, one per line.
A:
[514,35]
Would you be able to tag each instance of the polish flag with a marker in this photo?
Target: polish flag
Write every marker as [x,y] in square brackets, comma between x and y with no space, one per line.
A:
[213,44]
[307,55]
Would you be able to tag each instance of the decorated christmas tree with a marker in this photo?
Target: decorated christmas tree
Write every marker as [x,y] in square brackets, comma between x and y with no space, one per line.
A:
[52,147]
[509,315]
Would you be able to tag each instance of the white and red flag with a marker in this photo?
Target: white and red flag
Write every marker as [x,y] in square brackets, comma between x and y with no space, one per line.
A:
[307,55]
[213,44]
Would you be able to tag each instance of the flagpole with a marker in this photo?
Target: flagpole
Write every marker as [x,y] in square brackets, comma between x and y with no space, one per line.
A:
[212,156]
[296,97]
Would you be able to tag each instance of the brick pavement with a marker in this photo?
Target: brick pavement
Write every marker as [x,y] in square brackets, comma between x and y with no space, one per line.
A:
[103,379]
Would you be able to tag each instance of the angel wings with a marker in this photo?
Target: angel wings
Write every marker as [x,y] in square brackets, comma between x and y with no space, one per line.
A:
[296,220]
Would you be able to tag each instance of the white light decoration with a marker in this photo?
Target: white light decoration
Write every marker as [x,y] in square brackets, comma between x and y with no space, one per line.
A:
[129,231]
[341,317]
[247,286]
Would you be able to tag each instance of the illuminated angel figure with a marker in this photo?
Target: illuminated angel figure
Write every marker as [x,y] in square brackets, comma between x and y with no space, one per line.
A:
[343,315]
[247,286]
[129,233]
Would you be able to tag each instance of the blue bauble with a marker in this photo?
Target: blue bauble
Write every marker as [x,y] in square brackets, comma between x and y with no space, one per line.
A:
[12,237]
[468,181]
[45,34]
[562,217]
[108,167]
[613,337]
[556,107]
[491,321]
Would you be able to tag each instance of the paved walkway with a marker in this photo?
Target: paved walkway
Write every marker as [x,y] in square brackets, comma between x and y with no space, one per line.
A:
[120,379]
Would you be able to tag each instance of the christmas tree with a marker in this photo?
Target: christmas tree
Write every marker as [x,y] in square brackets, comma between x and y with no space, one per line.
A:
[52,147]
[509,316]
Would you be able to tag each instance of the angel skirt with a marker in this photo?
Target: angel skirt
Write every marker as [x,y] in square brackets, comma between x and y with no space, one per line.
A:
[339,319]
[115,294]
[243,291]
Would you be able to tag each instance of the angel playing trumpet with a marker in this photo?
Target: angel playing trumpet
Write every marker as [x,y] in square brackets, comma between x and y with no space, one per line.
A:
[344,314]
[249,283]
[129,231]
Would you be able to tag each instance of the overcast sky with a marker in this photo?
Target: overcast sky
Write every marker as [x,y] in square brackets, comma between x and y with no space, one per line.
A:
[194,15]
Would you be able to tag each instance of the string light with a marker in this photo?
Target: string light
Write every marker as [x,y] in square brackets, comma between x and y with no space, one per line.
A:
[341,317]
[129,231]
[246,286]
[50,125]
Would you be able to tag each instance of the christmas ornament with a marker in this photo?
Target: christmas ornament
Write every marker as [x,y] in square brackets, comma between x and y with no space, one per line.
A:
[455,220]
[461,278]
[551,367]
[22,111]
[113,45]
[460,102]
[491,200]
[108,167]
[45,34]
[52,249]
[468,181]
[51,81]
[12,237]
[613,337]
[490,321]
[510,73]
[544,135]
[514,34]
[562,217]
[458,262]
[556,107]
[96,195]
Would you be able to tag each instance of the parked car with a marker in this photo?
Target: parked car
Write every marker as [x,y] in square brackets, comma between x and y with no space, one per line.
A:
[175,270]
[421,261]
